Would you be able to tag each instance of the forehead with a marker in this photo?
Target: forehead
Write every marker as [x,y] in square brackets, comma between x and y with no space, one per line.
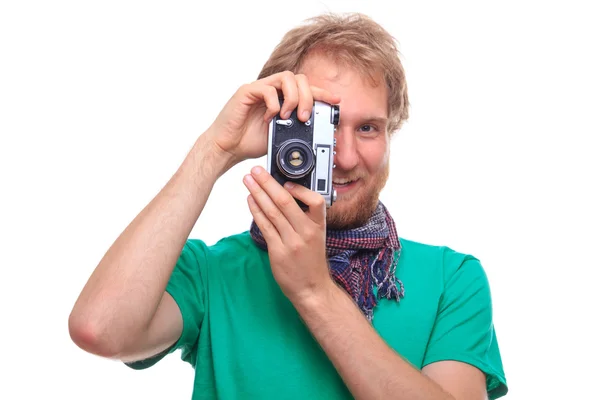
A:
[360,95]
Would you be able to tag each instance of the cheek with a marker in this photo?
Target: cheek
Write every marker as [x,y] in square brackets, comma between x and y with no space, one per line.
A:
[375,156]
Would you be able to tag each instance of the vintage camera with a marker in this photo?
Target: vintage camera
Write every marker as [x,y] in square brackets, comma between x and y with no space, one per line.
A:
[302,152]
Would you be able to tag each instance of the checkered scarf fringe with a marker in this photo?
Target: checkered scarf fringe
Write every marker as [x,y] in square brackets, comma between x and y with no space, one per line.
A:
[362,259]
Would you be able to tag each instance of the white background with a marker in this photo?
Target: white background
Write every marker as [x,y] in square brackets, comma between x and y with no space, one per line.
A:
[100,102]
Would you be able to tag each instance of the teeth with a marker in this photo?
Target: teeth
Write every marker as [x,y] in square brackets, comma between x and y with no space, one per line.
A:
[341,181]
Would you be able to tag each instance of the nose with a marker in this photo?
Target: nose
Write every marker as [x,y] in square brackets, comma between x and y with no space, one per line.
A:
[346,151]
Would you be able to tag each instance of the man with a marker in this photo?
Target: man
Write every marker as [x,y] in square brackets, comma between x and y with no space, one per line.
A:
[327,303]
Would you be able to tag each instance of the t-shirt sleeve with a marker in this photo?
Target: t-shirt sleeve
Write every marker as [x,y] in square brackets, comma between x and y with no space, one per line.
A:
[186,287]
[464,330]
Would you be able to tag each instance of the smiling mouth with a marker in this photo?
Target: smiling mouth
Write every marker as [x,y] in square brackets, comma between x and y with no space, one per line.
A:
[341,183]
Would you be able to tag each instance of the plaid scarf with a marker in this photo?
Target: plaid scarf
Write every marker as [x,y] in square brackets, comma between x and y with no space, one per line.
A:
[361,259]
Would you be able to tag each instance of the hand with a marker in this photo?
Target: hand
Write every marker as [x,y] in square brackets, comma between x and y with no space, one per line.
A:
[295,239]
[240,129]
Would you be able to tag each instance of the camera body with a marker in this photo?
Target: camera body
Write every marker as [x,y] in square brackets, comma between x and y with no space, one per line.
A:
[302,152]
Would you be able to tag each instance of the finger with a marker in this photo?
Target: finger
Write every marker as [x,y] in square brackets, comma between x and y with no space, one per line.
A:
[315,202]
[285,82]
[269,208]
[256,92]
[274,80]
[273,106]
[289,87]
[305,98]
[318,93]
[280,198]
[325,95]
[267,229]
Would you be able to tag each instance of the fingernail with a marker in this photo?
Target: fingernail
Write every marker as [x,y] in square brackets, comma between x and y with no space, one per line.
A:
[248,179]
[288,185]
[256,170]
[305,114]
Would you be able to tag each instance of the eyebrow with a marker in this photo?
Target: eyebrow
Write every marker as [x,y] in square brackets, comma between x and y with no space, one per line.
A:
[380,120]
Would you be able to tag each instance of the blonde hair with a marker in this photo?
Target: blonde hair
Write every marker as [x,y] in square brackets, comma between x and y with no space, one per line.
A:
[352,40]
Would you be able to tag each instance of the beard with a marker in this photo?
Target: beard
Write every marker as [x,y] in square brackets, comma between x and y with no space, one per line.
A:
[354,210]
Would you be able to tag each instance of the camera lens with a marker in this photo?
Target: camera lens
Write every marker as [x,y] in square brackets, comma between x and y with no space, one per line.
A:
[335,114]
[295,159]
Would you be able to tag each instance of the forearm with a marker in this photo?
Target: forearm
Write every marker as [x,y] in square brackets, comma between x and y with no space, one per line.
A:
[368,366]
[122,295]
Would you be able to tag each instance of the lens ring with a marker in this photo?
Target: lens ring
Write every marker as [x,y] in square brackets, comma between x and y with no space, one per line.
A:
[295,159]
[335,114]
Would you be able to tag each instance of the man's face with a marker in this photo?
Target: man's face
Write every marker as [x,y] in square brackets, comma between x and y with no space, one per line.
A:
[362,149]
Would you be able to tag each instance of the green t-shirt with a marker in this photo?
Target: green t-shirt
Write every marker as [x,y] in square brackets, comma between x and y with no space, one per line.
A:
[245,339]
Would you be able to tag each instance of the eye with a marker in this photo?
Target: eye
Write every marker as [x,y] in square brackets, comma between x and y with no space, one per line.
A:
[368,128]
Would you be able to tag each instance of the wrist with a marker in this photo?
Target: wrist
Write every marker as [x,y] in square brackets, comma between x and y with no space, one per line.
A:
[318,298]
[209,159]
